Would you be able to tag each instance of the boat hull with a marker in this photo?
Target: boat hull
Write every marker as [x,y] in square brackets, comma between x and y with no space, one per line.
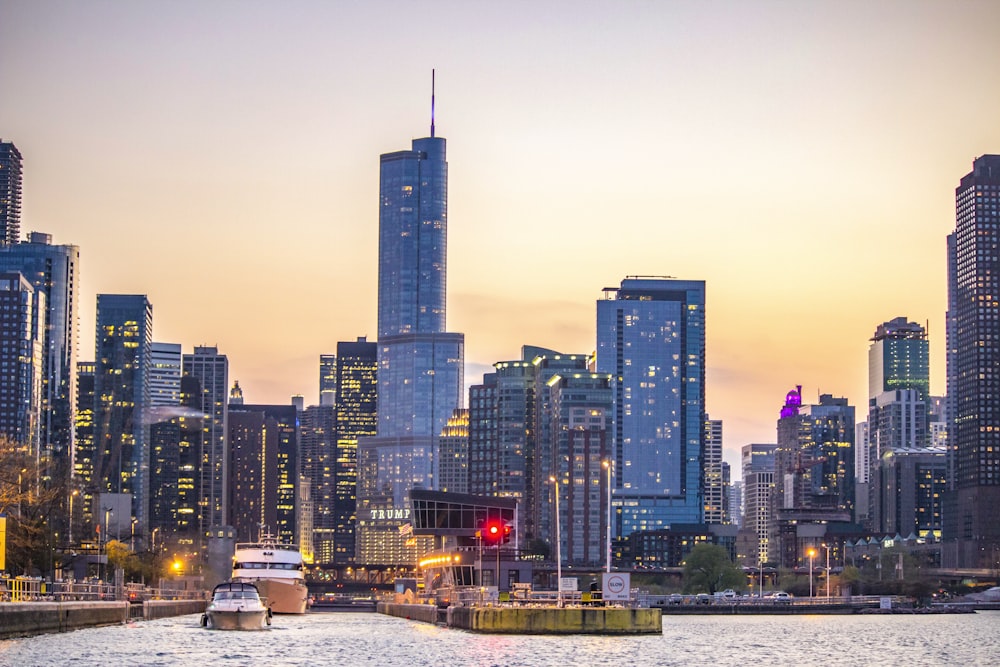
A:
[283,596]
[237,620]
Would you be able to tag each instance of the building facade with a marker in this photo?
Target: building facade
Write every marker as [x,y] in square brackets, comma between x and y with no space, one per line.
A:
[10,193]
[651,340]
[22,323]
[716,479]
[121,392]
[973,363]
[758,484]
[211,369]
[52,270]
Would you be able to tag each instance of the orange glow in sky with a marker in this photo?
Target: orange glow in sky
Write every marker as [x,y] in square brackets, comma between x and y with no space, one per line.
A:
[801,158]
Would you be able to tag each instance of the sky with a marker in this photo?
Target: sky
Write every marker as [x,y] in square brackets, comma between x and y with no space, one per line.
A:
[800,157]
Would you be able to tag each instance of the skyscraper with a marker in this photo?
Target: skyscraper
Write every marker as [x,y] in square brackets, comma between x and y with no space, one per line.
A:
[716,481]
[10,193]
[121,390]
[22,317]
[327,379]
[356,380]
[973,363]
[651,339]
[420,365]
[52,270]
[211,369]
[758,482]
[165,374]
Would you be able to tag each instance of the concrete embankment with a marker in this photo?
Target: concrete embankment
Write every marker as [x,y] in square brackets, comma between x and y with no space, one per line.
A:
[25,619]
[537,620]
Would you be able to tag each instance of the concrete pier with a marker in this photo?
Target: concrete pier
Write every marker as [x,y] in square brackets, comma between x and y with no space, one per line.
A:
[549,620]
[26,619]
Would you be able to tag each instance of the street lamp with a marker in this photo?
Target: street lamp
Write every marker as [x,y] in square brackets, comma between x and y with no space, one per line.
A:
[558,548]
[812,554]
[609,466]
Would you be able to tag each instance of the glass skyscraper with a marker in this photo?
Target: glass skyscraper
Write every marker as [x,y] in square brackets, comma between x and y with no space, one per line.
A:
[121,394]
[420,364]
[651,339]
[10,193]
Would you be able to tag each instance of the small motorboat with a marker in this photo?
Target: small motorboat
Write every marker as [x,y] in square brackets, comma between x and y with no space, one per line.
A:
[236,606]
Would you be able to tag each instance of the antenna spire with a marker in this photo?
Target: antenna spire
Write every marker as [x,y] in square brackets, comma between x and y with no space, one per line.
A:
[432,102]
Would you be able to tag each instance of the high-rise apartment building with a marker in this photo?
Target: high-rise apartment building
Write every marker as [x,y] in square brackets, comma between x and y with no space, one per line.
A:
[10,193]
[85,456]
[580,410]
[716,481]
[317,451]
[758,483]
[211,369]
[974,368]
[651,340]
[22,322]
[52,270]
[121,391]
[420,364]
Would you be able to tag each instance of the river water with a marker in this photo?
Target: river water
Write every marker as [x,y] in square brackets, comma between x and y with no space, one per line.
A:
[330,638]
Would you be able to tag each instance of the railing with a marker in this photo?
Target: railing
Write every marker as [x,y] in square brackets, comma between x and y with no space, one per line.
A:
[33,589]
[647,600]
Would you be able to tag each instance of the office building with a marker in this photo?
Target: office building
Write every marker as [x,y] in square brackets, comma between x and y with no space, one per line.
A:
[317,452]
[121,391]
[973,363]
[85,456]
[52,270]
[10,193]
[211,370]
[265,468]
[912,483]
[453,449]
[420,364]
[651,340]
[165,374]
[357,417]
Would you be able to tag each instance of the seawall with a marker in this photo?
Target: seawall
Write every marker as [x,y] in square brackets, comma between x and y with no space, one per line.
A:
[537,620]
[25,619]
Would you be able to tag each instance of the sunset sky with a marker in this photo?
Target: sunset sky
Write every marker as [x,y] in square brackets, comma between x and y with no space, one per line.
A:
[800,157]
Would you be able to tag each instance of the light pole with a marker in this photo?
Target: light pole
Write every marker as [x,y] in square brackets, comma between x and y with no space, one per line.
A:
[812,554]
[827,547]
[72,495]
[606,463]
[558,548]
[107,512]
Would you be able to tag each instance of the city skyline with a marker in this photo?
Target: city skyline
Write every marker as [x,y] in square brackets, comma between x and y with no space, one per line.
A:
[793,158]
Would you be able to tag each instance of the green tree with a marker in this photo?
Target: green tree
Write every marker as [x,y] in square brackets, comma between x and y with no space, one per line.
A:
[708,569]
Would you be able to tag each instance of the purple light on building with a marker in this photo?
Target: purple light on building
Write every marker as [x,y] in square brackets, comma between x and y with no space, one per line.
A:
[793,401]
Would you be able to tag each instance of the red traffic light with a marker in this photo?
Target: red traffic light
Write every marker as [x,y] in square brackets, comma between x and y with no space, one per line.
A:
[496,531]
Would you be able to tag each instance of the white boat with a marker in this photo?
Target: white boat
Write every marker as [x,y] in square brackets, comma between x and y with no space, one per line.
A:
[277,572]
[236,606]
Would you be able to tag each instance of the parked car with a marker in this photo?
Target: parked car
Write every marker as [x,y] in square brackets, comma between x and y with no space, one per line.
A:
[703,598]
[675,598]
[781,597]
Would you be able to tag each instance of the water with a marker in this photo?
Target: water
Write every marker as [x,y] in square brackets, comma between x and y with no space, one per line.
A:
[373,639]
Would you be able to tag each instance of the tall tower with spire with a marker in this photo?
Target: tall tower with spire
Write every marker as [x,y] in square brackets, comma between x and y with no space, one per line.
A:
[420,364]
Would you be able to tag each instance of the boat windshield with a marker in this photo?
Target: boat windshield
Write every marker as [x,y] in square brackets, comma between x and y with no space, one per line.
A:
[249,565]
[235,595]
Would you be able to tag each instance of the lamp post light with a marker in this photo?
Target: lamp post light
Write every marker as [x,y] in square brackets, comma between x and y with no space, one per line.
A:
[812,554]
[609,466]
[107,513]
[558,547]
